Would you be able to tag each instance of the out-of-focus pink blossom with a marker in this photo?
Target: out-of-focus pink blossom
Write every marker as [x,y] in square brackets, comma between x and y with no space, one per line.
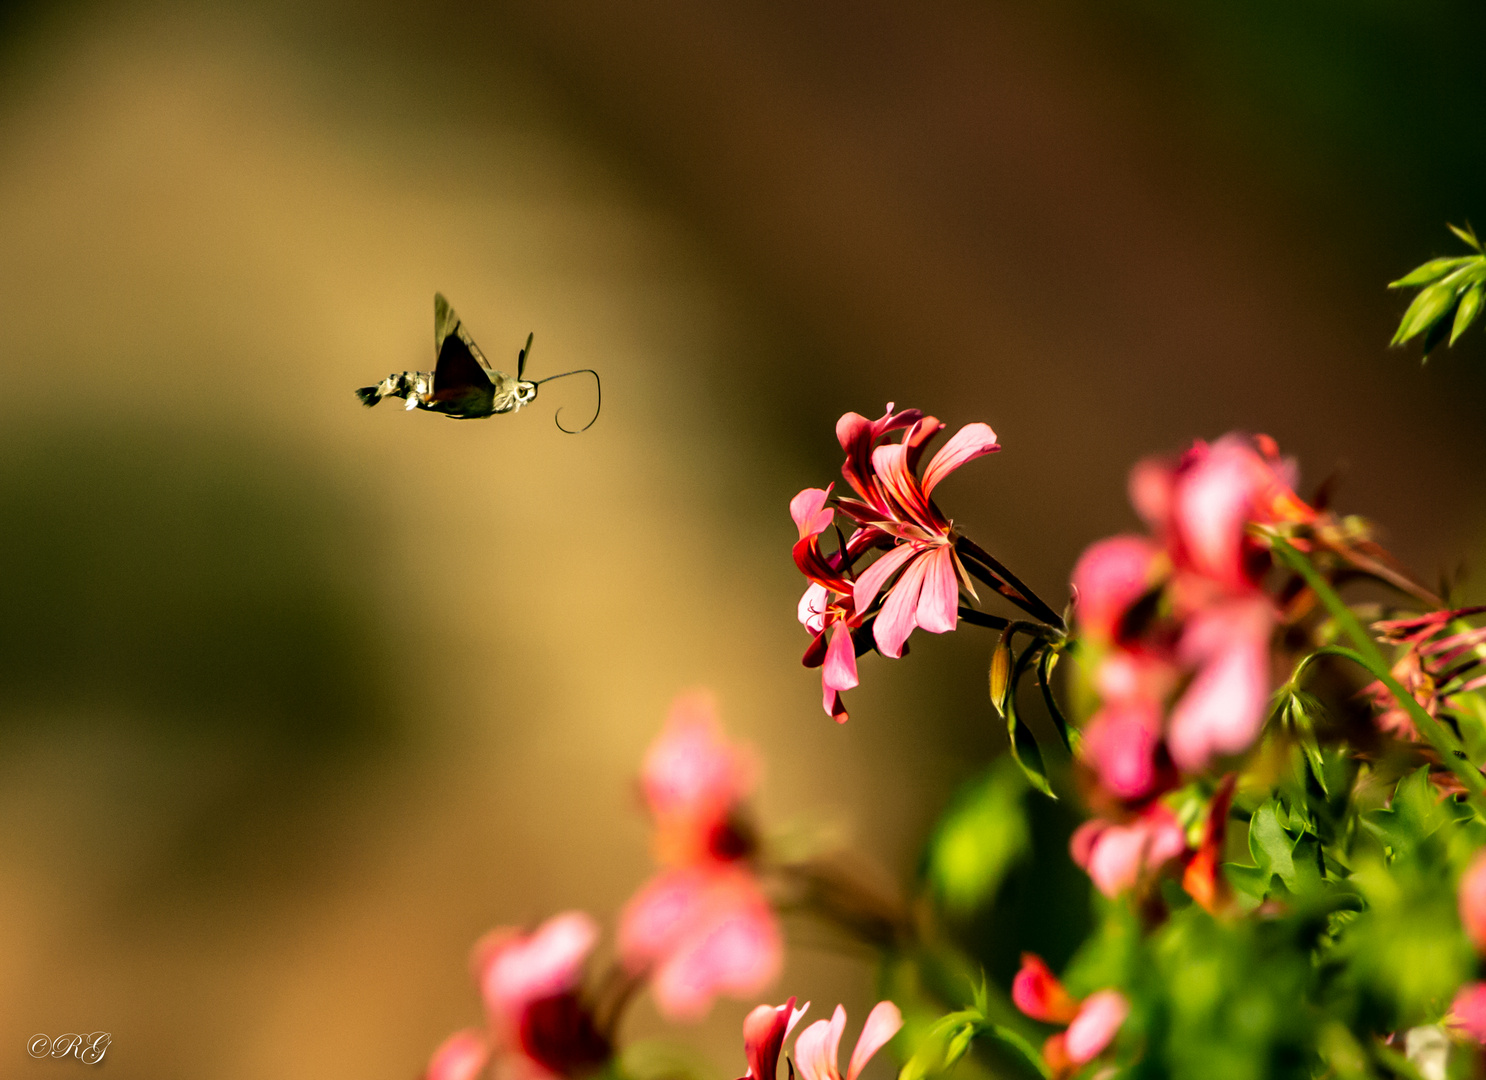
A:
[764,1031]
[695,782]
[1467,1015]
[1473,901]
[1109,577]
[1179,629]
[1098,1021]
[1120,745]
[1039,994]
[1200,506]
[516,970]
[1092,1023]
[817,1049]
[698,932]
[703,926]
[463,1056]
[1227,646]
[1119,857]
[537,1022]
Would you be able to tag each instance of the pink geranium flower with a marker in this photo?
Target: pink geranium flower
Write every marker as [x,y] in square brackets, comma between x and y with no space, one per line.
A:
[695,784]
[896,502]
[817,1050]
[702,927]
[1039,993]
[698,932]
[764,1031]
[1179,627]
[1092,1023]
[1120,857]
[537,1021]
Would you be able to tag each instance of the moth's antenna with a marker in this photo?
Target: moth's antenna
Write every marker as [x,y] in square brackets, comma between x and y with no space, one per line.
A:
[523,355]
[598,406]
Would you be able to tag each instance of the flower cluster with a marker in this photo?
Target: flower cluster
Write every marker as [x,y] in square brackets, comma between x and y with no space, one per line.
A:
[1177,627]
[702,926]
[916,580]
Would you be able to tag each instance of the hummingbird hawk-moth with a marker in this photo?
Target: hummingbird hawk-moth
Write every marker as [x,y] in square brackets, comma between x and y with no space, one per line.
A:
[462,383]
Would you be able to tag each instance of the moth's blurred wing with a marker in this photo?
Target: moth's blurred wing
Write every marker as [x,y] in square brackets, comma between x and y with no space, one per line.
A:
[460,364]
[460,367]
[444,322]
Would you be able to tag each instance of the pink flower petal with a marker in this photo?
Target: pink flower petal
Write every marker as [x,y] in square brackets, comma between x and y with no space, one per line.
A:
[883,1022]
[817,1048]
[764,1032]
[890,463]
[938,604]
[1225,704]
[1120,745]
[726,942]
[1096,1025]
[1151,492]
[1468,1012]
[657,917]
[691,771]
[548,962]
[1117,857]
[967,444]
[808,508]
[871,580]
[812,608]
[834,707]
[1110,576]
[1473,901]
[899,613]
[840,671]
[1039,994]
[1214,501]
[462,1056]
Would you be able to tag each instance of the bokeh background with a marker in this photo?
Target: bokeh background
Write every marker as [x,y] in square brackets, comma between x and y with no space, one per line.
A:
[299,698]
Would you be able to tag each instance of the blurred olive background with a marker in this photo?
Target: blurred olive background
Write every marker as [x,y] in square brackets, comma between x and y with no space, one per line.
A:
[299,698]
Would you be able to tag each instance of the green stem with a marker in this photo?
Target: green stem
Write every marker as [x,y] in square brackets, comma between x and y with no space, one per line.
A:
[1369,657]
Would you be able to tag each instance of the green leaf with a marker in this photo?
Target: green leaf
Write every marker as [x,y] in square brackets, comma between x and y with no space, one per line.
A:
[1465,314]
[1300,713]
[1467,234]
[1433,270]
[1024,749]
[1270,845]
[1413,815]
[981,836]
[1427,308]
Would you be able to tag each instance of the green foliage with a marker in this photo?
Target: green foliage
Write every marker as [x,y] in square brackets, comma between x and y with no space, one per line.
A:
[1449,298]
[949,1039]
[982,835]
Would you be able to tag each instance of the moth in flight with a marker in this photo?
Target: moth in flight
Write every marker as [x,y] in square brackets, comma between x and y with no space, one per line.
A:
[462,383]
